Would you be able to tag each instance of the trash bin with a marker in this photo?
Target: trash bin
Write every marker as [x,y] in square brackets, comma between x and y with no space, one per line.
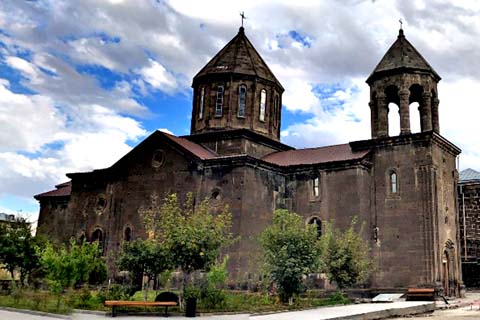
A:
[191,307]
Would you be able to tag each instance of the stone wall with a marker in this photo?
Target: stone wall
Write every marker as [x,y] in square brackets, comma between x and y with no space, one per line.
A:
[469,206]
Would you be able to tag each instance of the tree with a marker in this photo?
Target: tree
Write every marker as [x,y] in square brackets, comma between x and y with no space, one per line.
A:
[17,248]
[345,255]
[192,233]
[144,257]
[291,251]
[71,265]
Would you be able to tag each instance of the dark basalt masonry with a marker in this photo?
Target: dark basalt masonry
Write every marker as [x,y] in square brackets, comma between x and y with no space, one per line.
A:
[403,188]
[469,214]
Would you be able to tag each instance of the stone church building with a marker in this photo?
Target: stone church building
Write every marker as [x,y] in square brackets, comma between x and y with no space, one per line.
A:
[403,187]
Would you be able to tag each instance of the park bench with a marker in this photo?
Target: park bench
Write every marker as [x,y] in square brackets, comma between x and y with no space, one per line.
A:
[421,294]
[164,299]
[475,303]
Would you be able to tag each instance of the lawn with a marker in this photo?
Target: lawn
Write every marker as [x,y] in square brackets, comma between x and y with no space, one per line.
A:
[233,301]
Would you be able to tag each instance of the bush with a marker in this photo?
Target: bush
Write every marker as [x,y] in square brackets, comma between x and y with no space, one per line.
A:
[116,292]
[291,252]
[82,299]
[211,293]
[346,255]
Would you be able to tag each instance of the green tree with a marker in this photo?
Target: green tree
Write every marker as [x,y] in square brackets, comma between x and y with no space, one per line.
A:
[144,257]
[71,265]
[346,255]
[291,251]
[192,233]
[17,248]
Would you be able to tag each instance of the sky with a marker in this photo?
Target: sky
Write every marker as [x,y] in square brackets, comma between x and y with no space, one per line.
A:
[83,82]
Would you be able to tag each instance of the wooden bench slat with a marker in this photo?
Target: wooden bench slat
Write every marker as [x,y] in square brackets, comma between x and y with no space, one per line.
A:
[121,303]
[110,303]
[421,290]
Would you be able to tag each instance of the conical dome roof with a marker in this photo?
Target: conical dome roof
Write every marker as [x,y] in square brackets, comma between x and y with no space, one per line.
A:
[402,56]
[238,56]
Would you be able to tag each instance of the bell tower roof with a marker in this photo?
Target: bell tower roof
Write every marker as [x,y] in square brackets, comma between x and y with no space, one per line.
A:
[238,57]
[402,57]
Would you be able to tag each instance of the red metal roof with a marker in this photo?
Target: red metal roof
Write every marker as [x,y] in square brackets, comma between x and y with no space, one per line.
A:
[194,148]
[63,190]
[341,152]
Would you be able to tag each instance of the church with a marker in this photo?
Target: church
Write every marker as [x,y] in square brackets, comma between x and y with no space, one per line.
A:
[402,188]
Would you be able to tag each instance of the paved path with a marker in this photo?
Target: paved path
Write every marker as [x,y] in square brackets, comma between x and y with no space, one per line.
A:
[354,311]
[358,311]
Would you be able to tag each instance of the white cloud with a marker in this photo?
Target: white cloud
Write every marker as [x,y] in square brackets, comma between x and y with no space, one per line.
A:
[159,46]
[27,122]
[165,130]
[158,77]
[341,125]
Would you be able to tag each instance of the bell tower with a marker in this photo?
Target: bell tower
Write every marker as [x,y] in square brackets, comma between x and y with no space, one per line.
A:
[402,77]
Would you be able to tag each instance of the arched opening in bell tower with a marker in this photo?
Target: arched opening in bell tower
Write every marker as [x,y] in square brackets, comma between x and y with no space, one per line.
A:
[415,107]
[393,104]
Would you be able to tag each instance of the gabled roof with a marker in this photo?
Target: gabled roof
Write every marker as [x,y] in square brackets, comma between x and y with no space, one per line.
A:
[188,147]
[195,149]
[402,55]
[341,152]
[468,175]
[63,190]
[238,56]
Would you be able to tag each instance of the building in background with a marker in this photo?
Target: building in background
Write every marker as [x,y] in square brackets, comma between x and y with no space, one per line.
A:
[4,217]
[469,218]
[402,187]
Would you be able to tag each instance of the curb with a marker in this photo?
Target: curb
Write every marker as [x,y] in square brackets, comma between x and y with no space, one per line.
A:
[37,313]
[93,312]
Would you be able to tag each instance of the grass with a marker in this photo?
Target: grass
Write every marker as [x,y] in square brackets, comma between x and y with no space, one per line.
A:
[233,301]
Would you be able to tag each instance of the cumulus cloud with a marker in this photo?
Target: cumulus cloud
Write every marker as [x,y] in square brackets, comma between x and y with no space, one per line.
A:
[158,77]
[320,51]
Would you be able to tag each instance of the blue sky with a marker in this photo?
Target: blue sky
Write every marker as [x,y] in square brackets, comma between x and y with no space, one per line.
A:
[81,83]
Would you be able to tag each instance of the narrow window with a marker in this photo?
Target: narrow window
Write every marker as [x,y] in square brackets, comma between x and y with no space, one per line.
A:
[219,104]
[275,110]
[127,235]
[97,236]
[318,224]
[202,101]
[263,101]
[316,187]
[242,98]
[393,183]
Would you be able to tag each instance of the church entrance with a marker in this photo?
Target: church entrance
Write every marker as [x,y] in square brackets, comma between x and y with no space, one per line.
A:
[446,273]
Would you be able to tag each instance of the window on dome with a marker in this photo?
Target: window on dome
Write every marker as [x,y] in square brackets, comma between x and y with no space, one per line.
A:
[202,101]
[275,110]
[242,98]
[219,104]
[263,102]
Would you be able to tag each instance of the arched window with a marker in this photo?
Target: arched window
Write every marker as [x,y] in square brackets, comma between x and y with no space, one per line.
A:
[127,234]
[318,224]
[263,103]
[219,104]
[393,182]
[202,102]
[275,110]
[316,187]
[242,98]
[97,236]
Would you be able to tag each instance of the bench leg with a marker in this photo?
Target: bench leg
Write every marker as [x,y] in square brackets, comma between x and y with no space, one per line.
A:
[166,311]
[114,311]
